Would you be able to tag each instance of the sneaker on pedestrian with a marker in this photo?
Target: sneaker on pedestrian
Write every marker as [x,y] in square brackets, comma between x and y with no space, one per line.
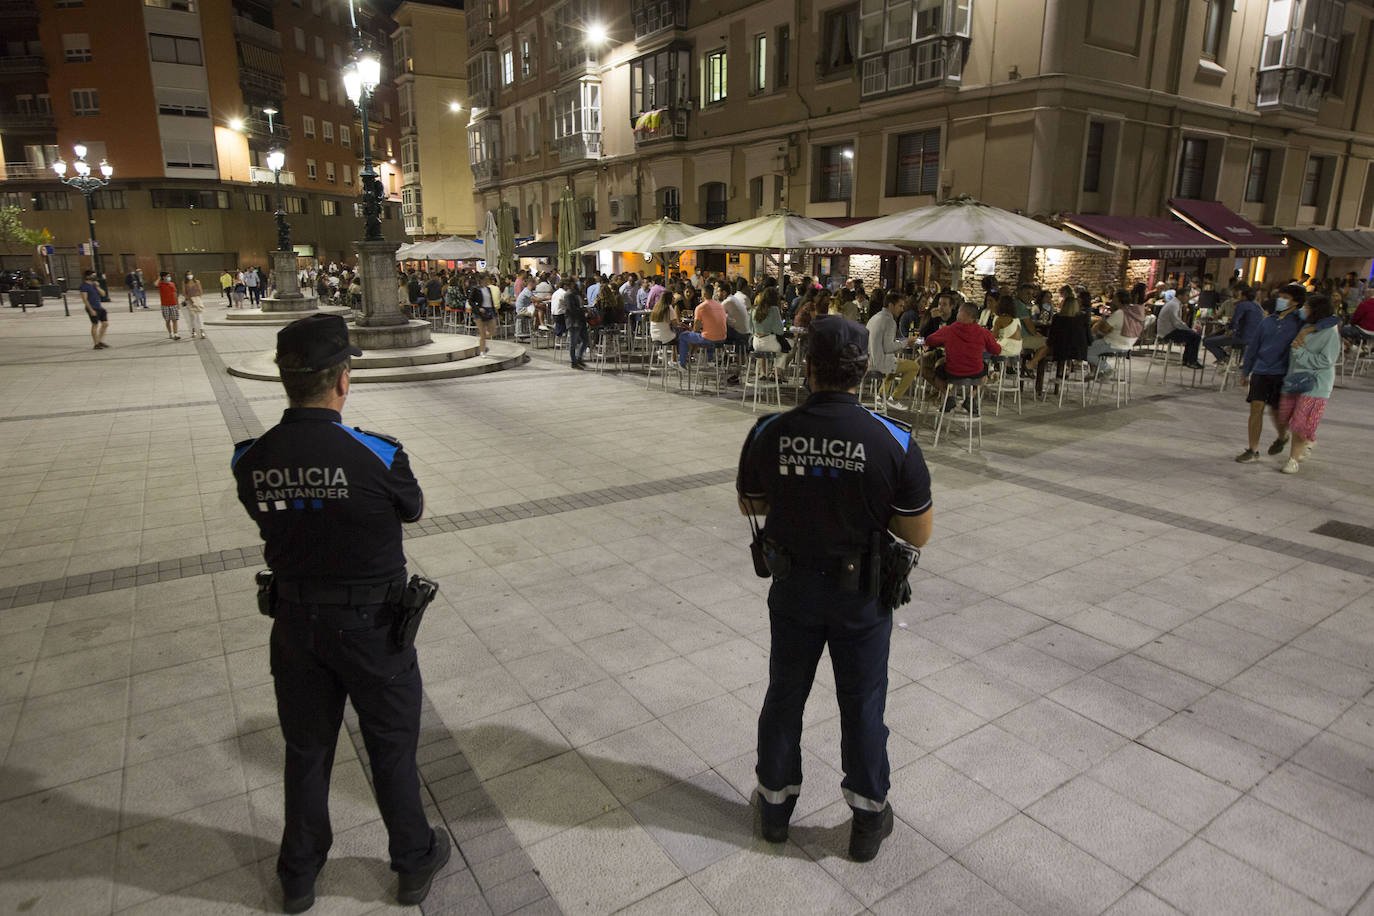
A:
[1248,456]
[894,404]
[1278,445]
[412,888]
[1291,467]
[867,833]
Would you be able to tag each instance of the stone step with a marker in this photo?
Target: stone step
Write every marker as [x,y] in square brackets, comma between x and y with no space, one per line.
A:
[451,356]
[259,318]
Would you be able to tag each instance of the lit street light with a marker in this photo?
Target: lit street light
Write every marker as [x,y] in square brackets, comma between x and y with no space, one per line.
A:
[276,158]
[360,78]
[87,184]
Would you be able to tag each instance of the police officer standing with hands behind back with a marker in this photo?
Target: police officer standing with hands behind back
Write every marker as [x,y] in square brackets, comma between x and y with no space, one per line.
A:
[329,501]
[832,480]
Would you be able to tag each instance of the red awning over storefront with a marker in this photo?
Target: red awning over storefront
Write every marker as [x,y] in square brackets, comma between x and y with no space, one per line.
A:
[1248,240]
[1152,237]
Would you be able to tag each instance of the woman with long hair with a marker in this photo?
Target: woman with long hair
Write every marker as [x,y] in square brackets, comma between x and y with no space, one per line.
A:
[765,323]
[1311,376]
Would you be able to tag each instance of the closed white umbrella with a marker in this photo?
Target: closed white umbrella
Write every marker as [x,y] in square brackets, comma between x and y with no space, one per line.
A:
[491,243]
[958,231]
[657,236]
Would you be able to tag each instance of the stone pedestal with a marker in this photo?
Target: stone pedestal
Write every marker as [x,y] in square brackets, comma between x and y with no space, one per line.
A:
[288,297]
[382,325]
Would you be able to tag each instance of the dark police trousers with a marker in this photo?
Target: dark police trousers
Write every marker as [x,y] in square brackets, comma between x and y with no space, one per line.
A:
[322,654]
[807,611]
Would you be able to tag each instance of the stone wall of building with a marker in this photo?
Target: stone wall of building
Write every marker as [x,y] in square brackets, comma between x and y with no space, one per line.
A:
[1053,269]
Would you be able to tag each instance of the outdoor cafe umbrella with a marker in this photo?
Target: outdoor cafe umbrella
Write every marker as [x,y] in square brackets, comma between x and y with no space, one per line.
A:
[651,238]
[567,233]
[453,248]
[958,231]
[403,253]
[505,238]
[779,231]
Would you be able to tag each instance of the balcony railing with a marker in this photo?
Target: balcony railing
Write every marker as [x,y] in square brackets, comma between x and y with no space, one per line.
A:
[486,173]
[259,175]
[582,145]
[930,62]
[26,171]
[257,83]
[23,63]
[26,121]
[651,17]
[1291,90]
[660,124]
[258,129]
[481,97]
[18,9]
[260,34]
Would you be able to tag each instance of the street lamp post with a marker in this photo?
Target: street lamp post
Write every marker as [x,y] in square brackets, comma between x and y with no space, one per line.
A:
[361,77]
[276,159]
[287,298]
[87,184]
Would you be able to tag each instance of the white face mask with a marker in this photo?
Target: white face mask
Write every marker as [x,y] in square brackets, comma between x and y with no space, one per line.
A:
[1282,303]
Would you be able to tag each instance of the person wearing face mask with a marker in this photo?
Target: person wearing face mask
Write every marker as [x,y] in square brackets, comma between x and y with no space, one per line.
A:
[1311,376]
[192,294]
[1264,366]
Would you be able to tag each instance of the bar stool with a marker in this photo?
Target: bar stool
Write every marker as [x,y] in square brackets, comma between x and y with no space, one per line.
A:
[1118,373]
[970,416]
[1008,381]
[662,357]
[761,361]
[1072,372]
[873,383]
[610,344]
[1226,369]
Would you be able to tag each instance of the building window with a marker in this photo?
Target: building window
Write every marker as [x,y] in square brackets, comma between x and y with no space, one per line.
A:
[347,175]
[319,47]
[782,56]
[915,164]
[327,131]
[293,204]
[713,77]
[1257,178]
[173,49]
[52,200]
[308,126]
[587,207]
[577,109]
[188,154]
[299,35]
[316,7]
[337,53]
[756,194]
[405,101]
[1214,27]
[532,134]
[345,136]
[759,65]
[669,203]
[1312,181]
[76,47]
[714,202]
[410,157]
[181,6]
[529,64]
[507,66]
[323,85]
[178,199]
[1092,157]
[839,39]
[834,172]
[1192,169]
[659,81]
[69,4]
[108,200]
[329,208]
[257,203]
[310,170]
[329,172]
[182,103]
[401,53]
[85,103]
[303,84]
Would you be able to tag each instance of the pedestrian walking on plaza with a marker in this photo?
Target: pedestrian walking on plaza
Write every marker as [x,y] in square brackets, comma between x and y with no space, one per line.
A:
[95,308]
[194,300]
[167,294]
[575,320]
[251,282]
[329,501]
[832,480]
[1310,378]
[134,281]
[226,284]
[1265,364]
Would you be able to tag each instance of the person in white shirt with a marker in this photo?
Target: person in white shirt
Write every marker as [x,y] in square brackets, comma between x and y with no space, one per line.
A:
[883,347]
[1171,327]
[558,307]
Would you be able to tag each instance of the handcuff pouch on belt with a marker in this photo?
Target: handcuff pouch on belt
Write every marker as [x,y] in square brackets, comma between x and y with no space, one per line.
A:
[267,592]
[898,560]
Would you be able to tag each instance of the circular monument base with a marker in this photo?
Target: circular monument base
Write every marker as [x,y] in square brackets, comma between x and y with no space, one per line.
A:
[413,333]
[261,318]
[293,304]
[454,356]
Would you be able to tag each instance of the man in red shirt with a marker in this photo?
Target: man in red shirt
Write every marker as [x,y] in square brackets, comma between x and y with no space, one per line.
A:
[167,294]
[1363,319]
[964,341]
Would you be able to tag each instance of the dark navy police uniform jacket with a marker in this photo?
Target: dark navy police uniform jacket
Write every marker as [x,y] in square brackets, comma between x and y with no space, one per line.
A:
[328,498]
[832,472]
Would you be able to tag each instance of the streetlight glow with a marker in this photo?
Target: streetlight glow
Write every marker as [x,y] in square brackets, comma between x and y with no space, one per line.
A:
[83,168]
[276,159]
[236,124]
[369,69]
[454,106]
[353,84]
[106,169]
[60,167]
[269,111]
[87,184]
[80,150]
[597,34]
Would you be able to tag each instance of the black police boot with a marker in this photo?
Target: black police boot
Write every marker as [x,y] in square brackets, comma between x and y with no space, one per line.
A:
[293,902]
[414,887]
[869,830]
[774,818]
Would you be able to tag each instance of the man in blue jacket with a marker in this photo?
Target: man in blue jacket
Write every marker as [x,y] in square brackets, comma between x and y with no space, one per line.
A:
[1241,331]
[1265,364]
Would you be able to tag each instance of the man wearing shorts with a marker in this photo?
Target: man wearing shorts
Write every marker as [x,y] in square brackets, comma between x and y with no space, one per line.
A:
[964,341]
[167,295]
[1265,364]
[100,319]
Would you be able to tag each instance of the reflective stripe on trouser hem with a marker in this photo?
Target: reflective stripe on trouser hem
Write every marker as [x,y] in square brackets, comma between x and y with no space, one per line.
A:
[859,803]
[780,796]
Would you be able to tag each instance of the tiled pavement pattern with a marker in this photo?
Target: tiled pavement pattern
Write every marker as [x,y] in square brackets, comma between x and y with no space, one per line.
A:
[1134,680]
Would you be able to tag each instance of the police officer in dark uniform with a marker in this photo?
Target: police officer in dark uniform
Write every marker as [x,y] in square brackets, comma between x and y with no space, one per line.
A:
[832,480]
[329,501]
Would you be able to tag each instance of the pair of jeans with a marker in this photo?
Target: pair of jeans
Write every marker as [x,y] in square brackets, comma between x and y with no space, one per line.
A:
[687,338]
[1190,339]
[577,342]
[321,656]
[807,613]
[254,295]
[1218,343]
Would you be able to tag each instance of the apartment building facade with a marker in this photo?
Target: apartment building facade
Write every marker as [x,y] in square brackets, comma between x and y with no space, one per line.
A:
[429,48]
[718,110]
[173,93]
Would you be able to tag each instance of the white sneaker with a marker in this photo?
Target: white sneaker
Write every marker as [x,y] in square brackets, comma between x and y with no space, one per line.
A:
[894,404]
[1290,468]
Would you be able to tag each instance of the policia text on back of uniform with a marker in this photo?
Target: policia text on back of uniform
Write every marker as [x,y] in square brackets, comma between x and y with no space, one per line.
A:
[832,480]
[329,501]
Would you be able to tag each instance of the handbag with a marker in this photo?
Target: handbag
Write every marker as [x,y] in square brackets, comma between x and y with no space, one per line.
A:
[1299,382]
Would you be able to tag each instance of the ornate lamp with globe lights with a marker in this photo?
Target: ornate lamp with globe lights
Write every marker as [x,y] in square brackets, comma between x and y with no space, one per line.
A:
[87,184]
[361,77]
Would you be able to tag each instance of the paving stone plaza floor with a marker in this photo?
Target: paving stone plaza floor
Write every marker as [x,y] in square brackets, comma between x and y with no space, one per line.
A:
[1132,680]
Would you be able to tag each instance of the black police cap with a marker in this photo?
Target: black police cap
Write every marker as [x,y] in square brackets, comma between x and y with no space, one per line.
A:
[829,338]
[314,343]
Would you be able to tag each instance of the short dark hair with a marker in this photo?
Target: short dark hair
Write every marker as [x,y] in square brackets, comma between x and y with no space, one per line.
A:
[1318,307]
[305,388]
[1295,291]
[839,373]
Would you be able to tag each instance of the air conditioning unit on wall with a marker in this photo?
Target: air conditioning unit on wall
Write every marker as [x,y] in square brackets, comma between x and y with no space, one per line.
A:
[623,209]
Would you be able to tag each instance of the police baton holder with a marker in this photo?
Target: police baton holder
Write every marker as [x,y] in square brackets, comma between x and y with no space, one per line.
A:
[418,594]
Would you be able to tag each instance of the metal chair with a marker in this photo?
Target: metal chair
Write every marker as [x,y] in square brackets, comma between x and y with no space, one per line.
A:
[1119,374]
[1072,372]
[1008,381]
[761,361]
[971,414]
